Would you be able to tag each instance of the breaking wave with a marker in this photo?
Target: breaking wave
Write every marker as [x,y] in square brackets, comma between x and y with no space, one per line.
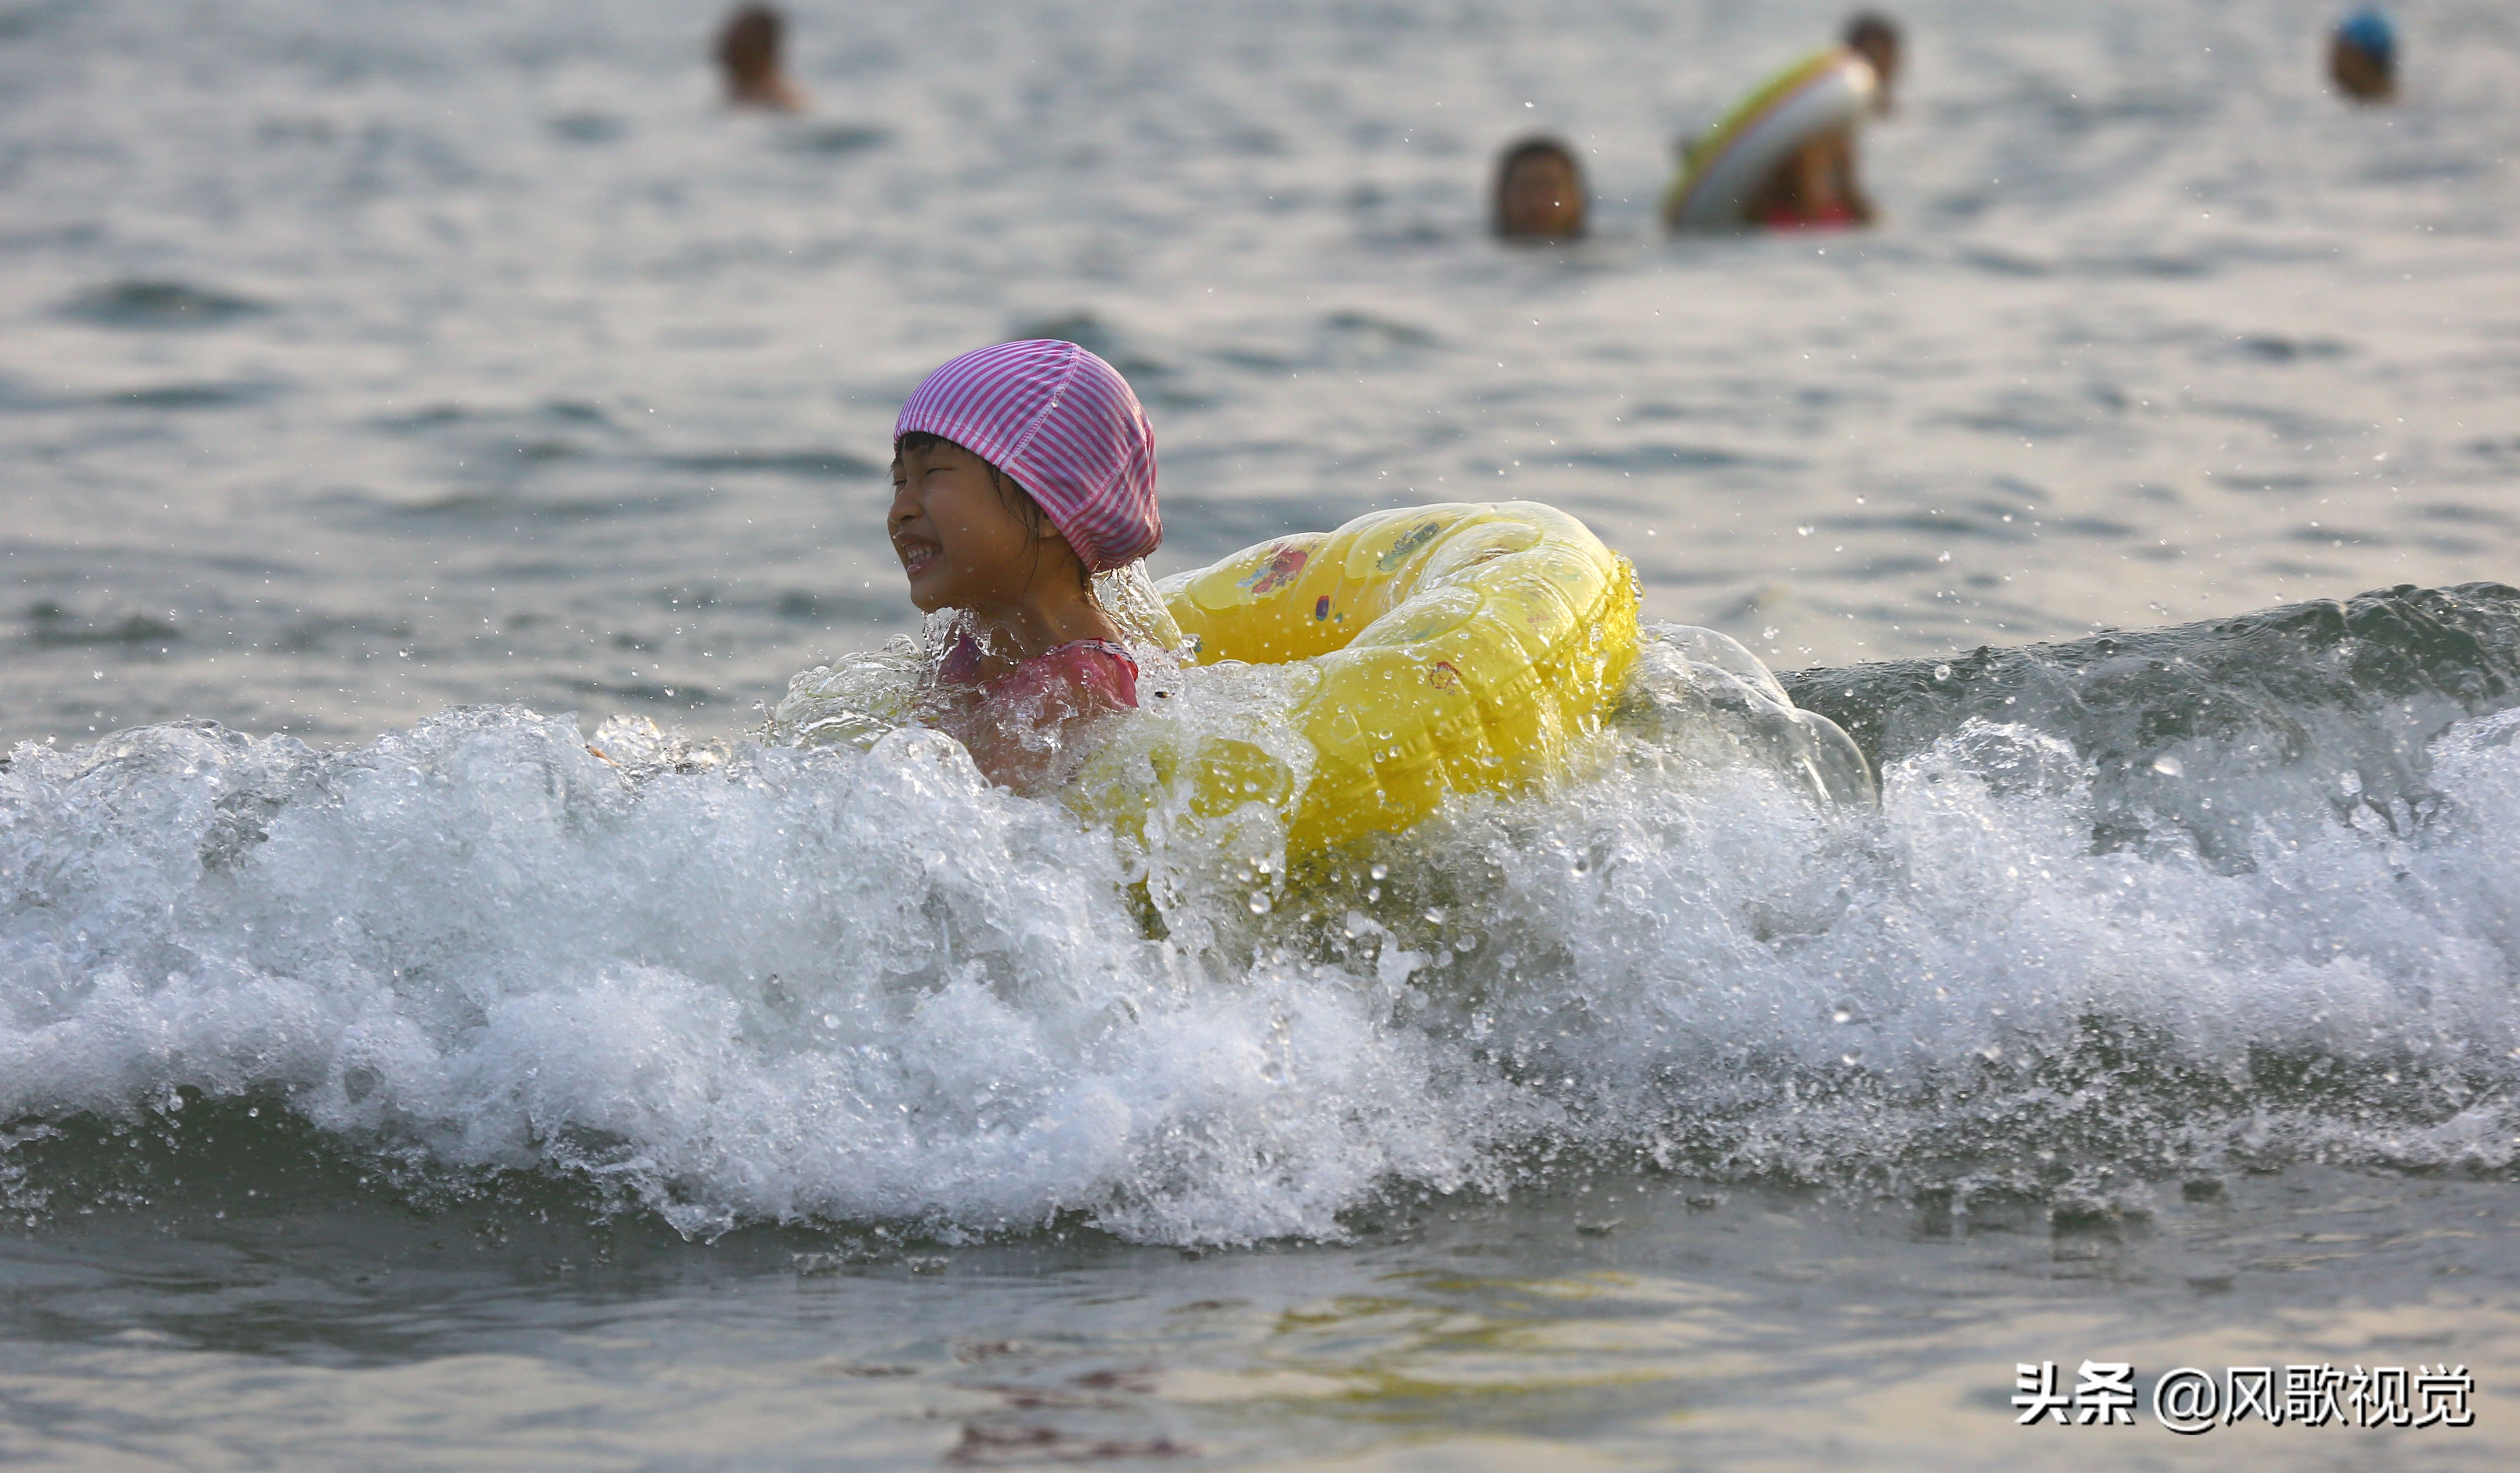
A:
[2125,910]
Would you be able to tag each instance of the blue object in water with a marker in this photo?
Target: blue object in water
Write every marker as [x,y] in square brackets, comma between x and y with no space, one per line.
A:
[2370,31]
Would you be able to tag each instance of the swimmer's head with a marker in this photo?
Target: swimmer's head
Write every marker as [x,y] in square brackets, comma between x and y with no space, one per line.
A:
[1019,470]
[1875,37]
[967,536]
[2362,56]
[747,52]
[1539,191]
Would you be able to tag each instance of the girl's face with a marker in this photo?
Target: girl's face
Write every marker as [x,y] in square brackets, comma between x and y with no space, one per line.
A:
[959,541]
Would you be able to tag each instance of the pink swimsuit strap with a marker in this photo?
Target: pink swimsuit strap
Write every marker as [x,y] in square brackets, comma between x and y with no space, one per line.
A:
[1103,665]
[1098,666]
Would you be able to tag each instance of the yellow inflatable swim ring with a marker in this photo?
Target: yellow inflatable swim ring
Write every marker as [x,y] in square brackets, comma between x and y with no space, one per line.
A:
[1456,647]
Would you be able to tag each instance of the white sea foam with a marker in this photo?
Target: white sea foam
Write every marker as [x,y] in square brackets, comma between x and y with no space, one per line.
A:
[856,985]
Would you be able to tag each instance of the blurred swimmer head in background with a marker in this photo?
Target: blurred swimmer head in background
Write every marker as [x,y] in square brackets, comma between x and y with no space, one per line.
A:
[1539,191]
[2362,56]
[1875,36]
[747,52]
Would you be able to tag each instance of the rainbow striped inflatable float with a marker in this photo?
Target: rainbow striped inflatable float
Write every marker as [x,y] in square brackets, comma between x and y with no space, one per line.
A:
[1723,169]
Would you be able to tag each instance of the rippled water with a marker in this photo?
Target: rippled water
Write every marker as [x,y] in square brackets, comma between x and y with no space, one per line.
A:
[360,360]
[371,1070]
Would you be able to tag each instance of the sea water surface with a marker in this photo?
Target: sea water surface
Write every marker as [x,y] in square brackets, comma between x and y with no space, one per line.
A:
[389,394]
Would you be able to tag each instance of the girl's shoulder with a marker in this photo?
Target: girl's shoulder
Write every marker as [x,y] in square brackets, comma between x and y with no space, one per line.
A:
[1088,649]
[1103,667]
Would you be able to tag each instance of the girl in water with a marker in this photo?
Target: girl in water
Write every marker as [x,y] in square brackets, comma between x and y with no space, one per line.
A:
[1018,472]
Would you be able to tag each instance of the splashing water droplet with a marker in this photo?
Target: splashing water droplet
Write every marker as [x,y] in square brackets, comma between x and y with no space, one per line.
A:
[1381,872]
[1942,672]
[2169,766]
[1259,902]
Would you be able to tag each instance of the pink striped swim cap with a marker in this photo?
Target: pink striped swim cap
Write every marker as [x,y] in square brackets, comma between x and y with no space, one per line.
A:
[1065,425]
